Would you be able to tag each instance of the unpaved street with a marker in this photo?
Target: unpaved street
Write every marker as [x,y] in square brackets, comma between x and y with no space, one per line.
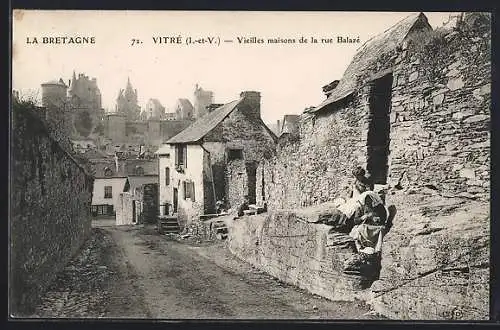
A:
[154,276]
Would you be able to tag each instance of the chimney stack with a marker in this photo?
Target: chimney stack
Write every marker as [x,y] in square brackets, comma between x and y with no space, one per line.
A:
[278,127]
[211,107]
[327,89]
[251,103]
[117,167]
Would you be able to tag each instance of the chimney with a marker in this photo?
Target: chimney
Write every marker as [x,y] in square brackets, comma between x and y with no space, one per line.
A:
[251,103]
[211,107]
[278,127]
[327,89]
[117,167]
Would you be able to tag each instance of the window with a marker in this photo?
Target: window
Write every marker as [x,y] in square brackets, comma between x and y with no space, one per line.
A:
[108,171]
[139,170]
[188,190]
[181,156]
[167,176]
[234,154]
[108,192]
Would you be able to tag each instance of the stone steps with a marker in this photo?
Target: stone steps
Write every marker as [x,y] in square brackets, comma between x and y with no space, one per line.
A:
[168,225]
[221,230]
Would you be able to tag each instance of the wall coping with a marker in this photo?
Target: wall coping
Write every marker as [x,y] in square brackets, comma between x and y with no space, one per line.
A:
[28,111]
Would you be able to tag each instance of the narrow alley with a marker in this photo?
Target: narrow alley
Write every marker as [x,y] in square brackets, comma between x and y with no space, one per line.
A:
[133,272]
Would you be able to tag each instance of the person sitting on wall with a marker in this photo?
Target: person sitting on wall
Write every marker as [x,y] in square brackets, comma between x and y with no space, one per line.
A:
[343,218]
[368,235]
[361,183]
[264,208]
[243,206]
[220,206]
[369,227]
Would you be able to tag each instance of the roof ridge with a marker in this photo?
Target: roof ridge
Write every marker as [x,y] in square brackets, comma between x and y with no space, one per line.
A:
[387,30]
[381,43]
[205,124]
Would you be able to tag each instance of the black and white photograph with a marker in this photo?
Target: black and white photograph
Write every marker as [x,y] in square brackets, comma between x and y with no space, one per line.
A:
[250,165]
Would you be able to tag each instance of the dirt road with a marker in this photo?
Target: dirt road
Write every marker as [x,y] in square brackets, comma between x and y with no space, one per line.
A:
[157,277]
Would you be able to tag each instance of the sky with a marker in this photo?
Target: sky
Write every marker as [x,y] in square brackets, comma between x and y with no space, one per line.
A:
[289,76]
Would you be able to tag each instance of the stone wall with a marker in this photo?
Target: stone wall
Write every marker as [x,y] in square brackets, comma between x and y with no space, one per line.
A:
[124,212]
[435,260]
[298,252]
[428,271]
[238,178]
[440,120]
[439,130]
[245,131]
[237,182]
[50,209]
[149,203]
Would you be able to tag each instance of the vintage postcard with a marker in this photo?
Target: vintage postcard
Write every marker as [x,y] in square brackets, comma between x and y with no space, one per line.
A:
[250,165]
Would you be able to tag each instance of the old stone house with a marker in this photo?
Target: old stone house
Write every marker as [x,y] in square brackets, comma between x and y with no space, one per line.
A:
[154,110]
[192,164]
[413,108]
[139,201]
[110,180]
[184,109]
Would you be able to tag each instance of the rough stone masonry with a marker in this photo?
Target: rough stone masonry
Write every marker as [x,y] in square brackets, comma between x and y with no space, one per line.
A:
[439,131]
[50,208]
[435,260]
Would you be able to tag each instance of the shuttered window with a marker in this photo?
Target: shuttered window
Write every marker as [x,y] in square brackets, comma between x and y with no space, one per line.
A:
[191,190]
[167,176]
[181,155]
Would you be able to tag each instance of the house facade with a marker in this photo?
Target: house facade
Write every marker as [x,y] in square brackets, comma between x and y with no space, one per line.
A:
[106,194]
[139,201]
[111,179]
[193,164]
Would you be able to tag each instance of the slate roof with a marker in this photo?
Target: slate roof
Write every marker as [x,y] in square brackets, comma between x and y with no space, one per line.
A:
[95,154]
[371,50]
[202,126]
[55,82]
[138,181]
[163,149]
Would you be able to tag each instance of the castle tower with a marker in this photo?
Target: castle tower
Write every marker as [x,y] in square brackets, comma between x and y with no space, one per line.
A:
[127,102]
[202,99]
[55,101]
[154,110]
[184,110]
[85,104]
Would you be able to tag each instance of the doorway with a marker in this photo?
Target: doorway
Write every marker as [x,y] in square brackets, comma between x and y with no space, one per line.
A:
[134,220]
[176,199]
[379,129]
[251,168]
